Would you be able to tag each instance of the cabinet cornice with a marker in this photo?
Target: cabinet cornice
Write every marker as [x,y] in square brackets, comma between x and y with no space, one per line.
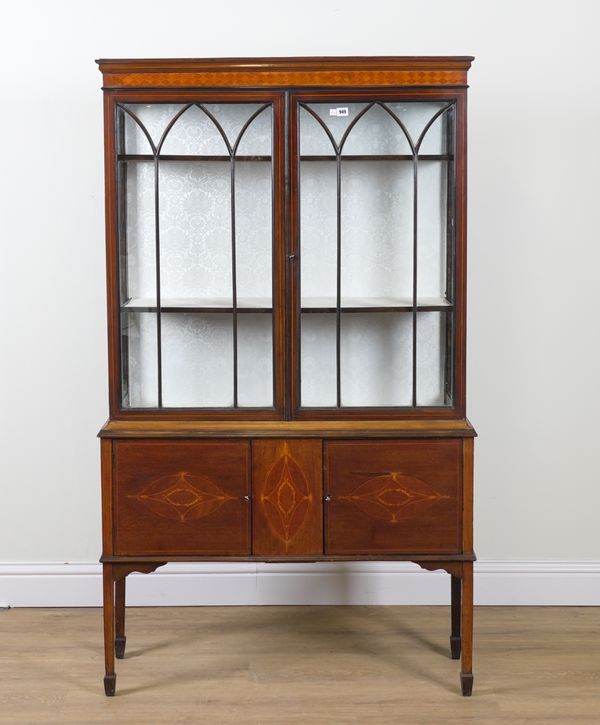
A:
[358,71]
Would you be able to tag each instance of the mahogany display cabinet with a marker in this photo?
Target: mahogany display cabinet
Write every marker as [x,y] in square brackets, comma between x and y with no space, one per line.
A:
[286,246]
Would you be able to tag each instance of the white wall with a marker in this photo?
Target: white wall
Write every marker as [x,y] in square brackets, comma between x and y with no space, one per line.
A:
[534,344]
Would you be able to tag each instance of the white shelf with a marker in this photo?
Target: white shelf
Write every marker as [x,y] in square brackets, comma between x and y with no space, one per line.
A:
[263,304]
[186,304]
[370,303]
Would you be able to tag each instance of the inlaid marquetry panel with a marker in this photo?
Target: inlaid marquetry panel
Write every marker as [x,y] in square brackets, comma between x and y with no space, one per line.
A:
[275,79]
[182,497]
[186,498]
[277,72]
[287,497]
[393,497]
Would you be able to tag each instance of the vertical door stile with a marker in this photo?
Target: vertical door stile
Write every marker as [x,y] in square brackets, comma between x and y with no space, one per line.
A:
[158,287]
[414,274]
[450,150]
[285,248]
[338,281]
[292,203]
[234,280]
[121,188]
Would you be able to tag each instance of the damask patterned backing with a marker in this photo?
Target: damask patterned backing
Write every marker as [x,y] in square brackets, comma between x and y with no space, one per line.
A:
[376,355]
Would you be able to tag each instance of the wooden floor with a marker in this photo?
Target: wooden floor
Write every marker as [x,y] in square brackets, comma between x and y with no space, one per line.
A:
[301,665]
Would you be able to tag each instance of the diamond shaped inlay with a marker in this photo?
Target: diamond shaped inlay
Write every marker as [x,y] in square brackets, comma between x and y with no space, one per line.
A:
[392,496]
[182,497]
[287,498]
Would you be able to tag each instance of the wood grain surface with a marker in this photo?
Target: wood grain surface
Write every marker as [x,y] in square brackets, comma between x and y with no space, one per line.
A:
[182,497]
[399,496]
[288,428]
[287,497]
[376,665]
[282,72]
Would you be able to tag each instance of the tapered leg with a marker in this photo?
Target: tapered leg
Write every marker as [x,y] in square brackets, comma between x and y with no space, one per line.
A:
[456,614]
[110,678]
[120,638]
[466,668]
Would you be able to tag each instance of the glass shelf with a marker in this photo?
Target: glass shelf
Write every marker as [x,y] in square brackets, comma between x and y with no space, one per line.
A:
[199,304]
[307,157]
[376,157]
[190,157]
[263,304]
[374,304]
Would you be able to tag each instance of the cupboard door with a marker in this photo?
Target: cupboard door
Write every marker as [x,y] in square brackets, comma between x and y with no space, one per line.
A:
[181,498]
[393,497]
[375,287]
[287,493]
[198,210]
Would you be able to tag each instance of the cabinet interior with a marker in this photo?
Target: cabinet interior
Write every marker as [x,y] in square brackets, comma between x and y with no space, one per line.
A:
[374,194]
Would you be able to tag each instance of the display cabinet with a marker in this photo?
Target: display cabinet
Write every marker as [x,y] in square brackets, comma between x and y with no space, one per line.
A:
[286,247]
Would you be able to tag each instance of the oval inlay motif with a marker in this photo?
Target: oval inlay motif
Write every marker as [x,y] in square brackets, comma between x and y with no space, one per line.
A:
[392,496]
[287,498]
[182,497]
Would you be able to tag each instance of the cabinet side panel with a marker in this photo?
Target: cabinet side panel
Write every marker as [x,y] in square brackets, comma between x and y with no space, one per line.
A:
[467,477]
[287,497]
[106,462]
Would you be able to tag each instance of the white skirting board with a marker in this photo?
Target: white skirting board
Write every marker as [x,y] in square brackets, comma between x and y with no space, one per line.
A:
[566,583]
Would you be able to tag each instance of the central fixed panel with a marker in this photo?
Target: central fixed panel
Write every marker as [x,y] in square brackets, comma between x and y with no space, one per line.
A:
[287,497]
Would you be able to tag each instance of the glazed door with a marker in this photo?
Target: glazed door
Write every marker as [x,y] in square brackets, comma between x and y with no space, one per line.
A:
[198,228]
[374,291]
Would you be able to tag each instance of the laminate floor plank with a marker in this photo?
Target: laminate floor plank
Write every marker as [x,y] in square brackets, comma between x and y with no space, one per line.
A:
[317,665]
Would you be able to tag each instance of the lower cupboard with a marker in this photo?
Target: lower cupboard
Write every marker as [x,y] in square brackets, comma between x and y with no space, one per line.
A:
[286,497]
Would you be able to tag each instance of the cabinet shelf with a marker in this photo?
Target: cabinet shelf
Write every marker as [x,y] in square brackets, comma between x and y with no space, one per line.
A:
[374,304]
[199,304]
[317,157]
[190,157]
[263,304]
[378,157]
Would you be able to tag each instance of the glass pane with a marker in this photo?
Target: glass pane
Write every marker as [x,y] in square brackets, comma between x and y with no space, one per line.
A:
[317,363]
[318,230]
[376,359]
[375,197]
[369,344]
[431,358]
[195,194]
[197,360]
[195,230]
[139,359]
[254,232]
[432,223]
[137,227]
[377,229]
[255,360]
